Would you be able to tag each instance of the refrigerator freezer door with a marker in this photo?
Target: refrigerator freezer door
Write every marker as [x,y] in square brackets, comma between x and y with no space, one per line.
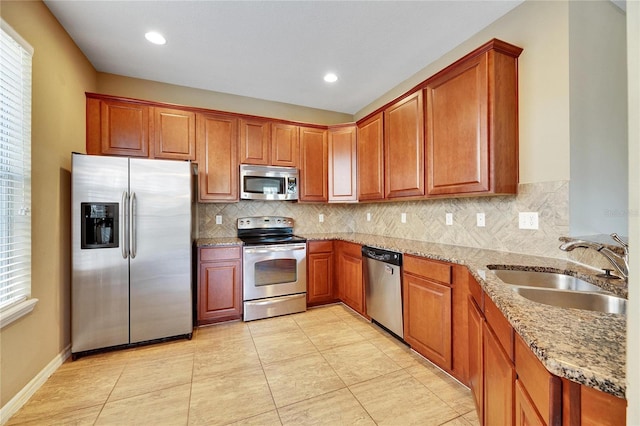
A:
[100,276]
[161,301]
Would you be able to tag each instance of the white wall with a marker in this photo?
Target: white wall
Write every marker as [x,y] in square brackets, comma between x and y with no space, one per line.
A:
[633,317]
[598,110]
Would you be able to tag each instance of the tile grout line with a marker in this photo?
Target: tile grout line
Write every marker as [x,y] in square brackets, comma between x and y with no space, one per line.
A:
[264,374]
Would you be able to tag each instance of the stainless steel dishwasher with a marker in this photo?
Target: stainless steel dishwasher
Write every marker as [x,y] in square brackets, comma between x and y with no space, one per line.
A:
[383,287]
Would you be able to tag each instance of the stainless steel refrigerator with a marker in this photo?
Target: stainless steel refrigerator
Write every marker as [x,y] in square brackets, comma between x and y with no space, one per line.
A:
[131,242]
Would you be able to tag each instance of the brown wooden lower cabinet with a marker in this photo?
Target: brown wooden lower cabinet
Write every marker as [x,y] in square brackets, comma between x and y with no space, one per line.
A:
[499,378]
[543,388]
[427,308]
[600,408]
[320,273]
[511,386]
[585,406]
[525,410]
[476,325]
[349,275]
[219,284]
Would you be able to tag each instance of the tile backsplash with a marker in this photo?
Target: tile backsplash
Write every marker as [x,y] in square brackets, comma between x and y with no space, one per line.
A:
[425,220]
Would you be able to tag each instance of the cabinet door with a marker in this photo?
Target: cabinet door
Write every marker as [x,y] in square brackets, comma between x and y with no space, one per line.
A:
[217,157]
[404,147]
[124,129]
[284,145]
[456,130]
[525,411]
[320,278]
[220,291]
[543,389]
[499,377]
[427,318]
[601,409]
[255,141]
[313,164]
[349,275]
[174,134]
[342,164]
[370,159]
[476,321]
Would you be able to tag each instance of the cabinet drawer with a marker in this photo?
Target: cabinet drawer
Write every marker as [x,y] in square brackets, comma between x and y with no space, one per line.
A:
[350,249]
[543,387]
[219,253]
[320,246]
[500,326]
[431,269]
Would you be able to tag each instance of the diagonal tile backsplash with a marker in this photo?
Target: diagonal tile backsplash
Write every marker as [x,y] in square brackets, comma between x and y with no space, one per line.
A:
[425,219]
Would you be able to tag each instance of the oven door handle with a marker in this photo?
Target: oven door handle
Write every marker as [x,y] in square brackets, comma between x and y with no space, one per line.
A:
[272,249]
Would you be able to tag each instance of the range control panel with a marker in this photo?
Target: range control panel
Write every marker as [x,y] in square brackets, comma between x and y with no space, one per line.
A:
[265,222]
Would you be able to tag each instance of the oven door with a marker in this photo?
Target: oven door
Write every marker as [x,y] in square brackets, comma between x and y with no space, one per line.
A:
[274,270]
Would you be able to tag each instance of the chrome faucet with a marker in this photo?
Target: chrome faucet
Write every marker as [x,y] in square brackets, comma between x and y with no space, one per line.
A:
[619,262]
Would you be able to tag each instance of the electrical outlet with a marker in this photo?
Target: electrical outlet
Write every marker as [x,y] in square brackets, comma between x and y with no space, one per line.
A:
[480,219]
[320,218]
[448,218]
[528,220]
[218,219]
[403,217]
[368,217]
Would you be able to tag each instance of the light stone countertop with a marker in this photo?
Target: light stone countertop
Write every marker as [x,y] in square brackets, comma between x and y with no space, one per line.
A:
[586,347]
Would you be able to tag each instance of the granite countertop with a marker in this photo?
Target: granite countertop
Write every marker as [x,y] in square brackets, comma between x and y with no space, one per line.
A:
[586,347]
[218,241]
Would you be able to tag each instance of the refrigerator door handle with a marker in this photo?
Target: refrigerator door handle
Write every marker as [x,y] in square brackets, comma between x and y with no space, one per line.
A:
[124,231]
[132,225]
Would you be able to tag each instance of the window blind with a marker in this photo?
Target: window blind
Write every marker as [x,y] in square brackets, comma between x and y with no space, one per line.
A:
[15,168]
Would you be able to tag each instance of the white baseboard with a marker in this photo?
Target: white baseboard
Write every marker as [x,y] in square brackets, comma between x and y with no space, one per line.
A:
[27,392]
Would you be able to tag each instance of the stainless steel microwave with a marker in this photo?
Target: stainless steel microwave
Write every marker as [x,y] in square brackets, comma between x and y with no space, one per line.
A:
[268,182]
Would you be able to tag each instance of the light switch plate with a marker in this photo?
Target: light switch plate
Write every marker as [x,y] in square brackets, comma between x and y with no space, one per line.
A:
[218,219]
[480,219]
[403,217]
[320,218]
[368,217]
[528,220]
[448,218]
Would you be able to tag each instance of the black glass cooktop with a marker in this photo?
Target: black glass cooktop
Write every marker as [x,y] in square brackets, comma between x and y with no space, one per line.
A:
[271,239]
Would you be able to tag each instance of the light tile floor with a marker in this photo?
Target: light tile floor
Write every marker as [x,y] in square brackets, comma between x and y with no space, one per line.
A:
[325,366]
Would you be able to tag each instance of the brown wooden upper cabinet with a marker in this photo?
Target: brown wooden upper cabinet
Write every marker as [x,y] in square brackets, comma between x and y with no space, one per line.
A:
[370,158]
[404,147]
[267,143]
[117,127]
[342,164]
[284,145]
[174,134]
[472,124]
[255,141]
[313,164]
[123,127]
[217,157]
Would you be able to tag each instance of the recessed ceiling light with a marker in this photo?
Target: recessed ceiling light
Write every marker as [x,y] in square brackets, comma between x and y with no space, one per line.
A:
[330,78]
[155,38]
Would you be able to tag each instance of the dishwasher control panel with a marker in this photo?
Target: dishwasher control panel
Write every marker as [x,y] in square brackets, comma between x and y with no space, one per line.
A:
[382,255]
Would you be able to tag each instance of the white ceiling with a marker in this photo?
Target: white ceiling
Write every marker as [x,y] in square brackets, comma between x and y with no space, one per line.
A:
[275,50]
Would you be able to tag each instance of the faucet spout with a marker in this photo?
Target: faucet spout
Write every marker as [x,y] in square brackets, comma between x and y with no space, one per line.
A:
[619,262]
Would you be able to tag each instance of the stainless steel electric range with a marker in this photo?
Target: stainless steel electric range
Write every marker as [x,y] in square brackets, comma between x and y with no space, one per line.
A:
[274,267]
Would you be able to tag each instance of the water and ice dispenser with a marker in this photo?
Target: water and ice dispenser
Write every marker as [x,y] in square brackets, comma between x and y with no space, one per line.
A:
[99,225]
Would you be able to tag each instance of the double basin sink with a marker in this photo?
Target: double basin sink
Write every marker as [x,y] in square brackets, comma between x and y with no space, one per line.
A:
[561,290]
